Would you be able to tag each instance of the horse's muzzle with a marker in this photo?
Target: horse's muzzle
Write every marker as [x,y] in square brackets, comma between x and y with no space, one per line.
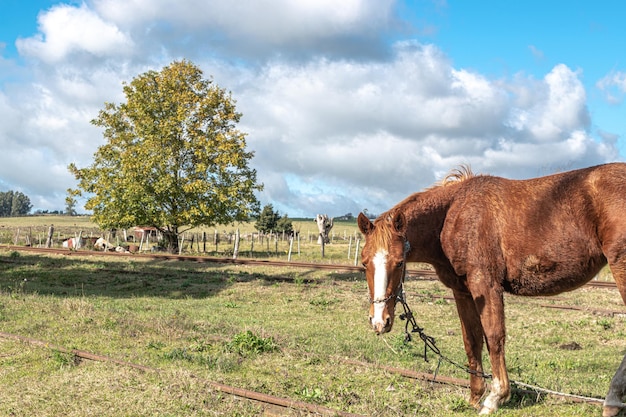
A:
[381,327]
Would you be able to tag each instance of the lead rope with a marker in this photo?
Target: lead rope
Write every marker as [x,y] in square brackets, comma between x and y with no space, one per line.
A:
[431,344]
[429,341]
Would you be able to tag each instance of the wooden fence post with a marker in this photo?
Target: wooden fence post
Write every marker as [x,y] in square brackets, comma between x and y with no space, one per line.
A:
[350,247]
[356,252]
[236,250]
[290,247]
[50,234]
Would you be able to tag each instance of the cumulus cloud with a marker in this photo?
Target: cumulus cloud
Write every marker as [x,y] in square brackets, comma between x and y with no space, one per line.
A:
[254,29]
[65,30]
[339,118]
[385,129]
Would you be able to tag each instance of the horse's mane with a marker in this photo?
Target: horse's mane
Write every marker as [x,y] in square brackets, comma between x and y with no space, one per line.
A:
[460,174]
[384,229]
[383,232]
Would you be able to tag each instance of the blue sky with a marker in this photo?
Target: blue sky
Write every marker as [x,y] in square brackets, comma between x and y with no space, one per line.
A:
[347,105]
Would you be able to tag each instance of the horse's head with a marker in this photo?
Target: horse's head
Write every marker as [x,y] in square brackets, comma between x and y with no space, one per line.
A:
[383,257]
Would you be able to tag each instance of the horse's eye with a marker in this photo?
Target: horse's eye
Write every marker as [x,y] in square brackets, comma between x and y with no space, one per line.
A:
[400,264]
[364,265]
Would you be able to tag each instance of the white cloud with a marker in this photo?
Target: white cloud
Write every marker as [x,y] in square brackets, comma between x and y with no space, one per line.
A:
[274,21]
[338,120]
[613,85]
[390,128]
[556,107]
[254,29]
[65,30]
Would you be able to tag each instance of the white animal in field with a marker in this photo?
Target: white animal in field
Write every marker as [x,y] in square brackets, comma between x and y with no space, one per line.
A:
[102,244]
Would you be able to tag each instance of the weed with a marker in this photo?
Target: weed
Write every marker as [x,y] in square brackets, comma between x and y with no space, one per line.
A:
[322,302]
[312,394]
[247,343]
[17,289]
[64,360]
[156,345]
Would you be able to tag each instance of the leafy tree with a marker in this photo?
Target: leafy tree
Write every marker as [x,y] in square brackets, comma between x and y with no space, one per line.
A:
[21,205]
[270,220]
[173,158]
[267,220]
[14,203]
[284,225]
[6,201]
[70,203]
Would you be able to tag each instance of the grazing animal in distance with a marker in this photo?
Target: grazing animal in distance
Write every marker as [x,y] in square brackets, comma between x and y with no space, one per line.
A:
[485,235]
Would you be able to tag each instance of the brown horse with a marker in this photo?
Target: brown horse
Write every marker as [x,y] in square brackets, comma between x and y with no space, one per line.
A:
[485,235]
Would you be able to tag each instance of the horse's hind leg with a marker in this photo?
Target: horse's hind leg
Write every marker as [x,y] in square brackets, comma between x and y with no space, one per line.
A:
[473,340]
[613,401]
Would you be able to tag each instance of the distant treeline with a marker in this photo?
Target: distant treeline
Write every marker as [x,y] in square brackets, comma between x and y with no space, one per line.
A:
[14,203]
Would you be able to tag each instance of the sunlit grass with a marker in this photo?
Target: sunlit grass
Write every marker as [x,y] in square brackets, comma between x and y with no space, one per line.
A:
[240,325]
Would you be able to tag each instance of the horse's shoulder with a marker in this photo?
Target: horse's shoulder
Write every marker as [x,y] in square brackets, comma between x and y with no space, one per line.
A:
[472,215]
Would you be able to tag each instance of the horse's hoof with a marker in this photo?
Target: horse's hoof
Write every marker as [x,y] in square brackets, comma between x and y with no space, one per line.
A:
[486,410]
[610,411]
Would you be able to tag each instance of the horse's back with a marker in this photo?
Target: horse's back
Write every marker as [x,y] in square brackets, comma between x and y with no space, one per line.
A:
[539,236]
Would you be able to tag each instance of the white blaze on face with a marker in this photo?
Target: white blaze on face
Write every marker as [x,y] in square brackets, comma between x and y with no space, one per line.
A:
[380,285]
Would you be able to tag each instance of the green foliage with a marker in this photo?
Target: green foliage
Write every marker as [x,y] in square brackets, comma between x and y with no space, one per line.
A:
[270,221]
[173,156]
[70,203]
[248,343]
[267,220]
[14,203]
[64,359]
[284,225]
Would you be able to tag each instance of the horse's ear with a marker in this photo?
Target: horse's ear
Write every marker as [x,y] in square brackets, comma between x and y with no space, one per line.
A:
[399,223]
[365,225]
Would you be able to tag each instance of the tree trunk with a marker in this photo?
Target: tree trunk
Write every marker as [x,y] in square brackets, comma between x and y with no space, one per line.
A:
[170,236]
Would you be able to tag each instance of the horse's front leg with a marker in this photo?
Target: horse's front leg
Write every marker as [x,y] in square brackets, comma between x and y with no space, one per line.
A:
[489,302]
[473,337]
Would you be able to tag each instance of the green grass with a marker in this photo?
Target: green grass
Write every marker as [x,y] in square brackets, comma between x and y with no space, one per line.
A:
[247,327]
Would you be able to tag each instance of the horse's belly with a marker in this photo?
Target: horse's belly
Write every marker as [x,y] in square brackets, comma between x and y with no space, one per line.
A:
[540,276]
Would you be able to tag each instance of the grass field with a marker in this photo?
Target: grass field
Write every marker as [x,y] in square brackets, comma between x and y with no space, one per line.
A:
[250,328]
